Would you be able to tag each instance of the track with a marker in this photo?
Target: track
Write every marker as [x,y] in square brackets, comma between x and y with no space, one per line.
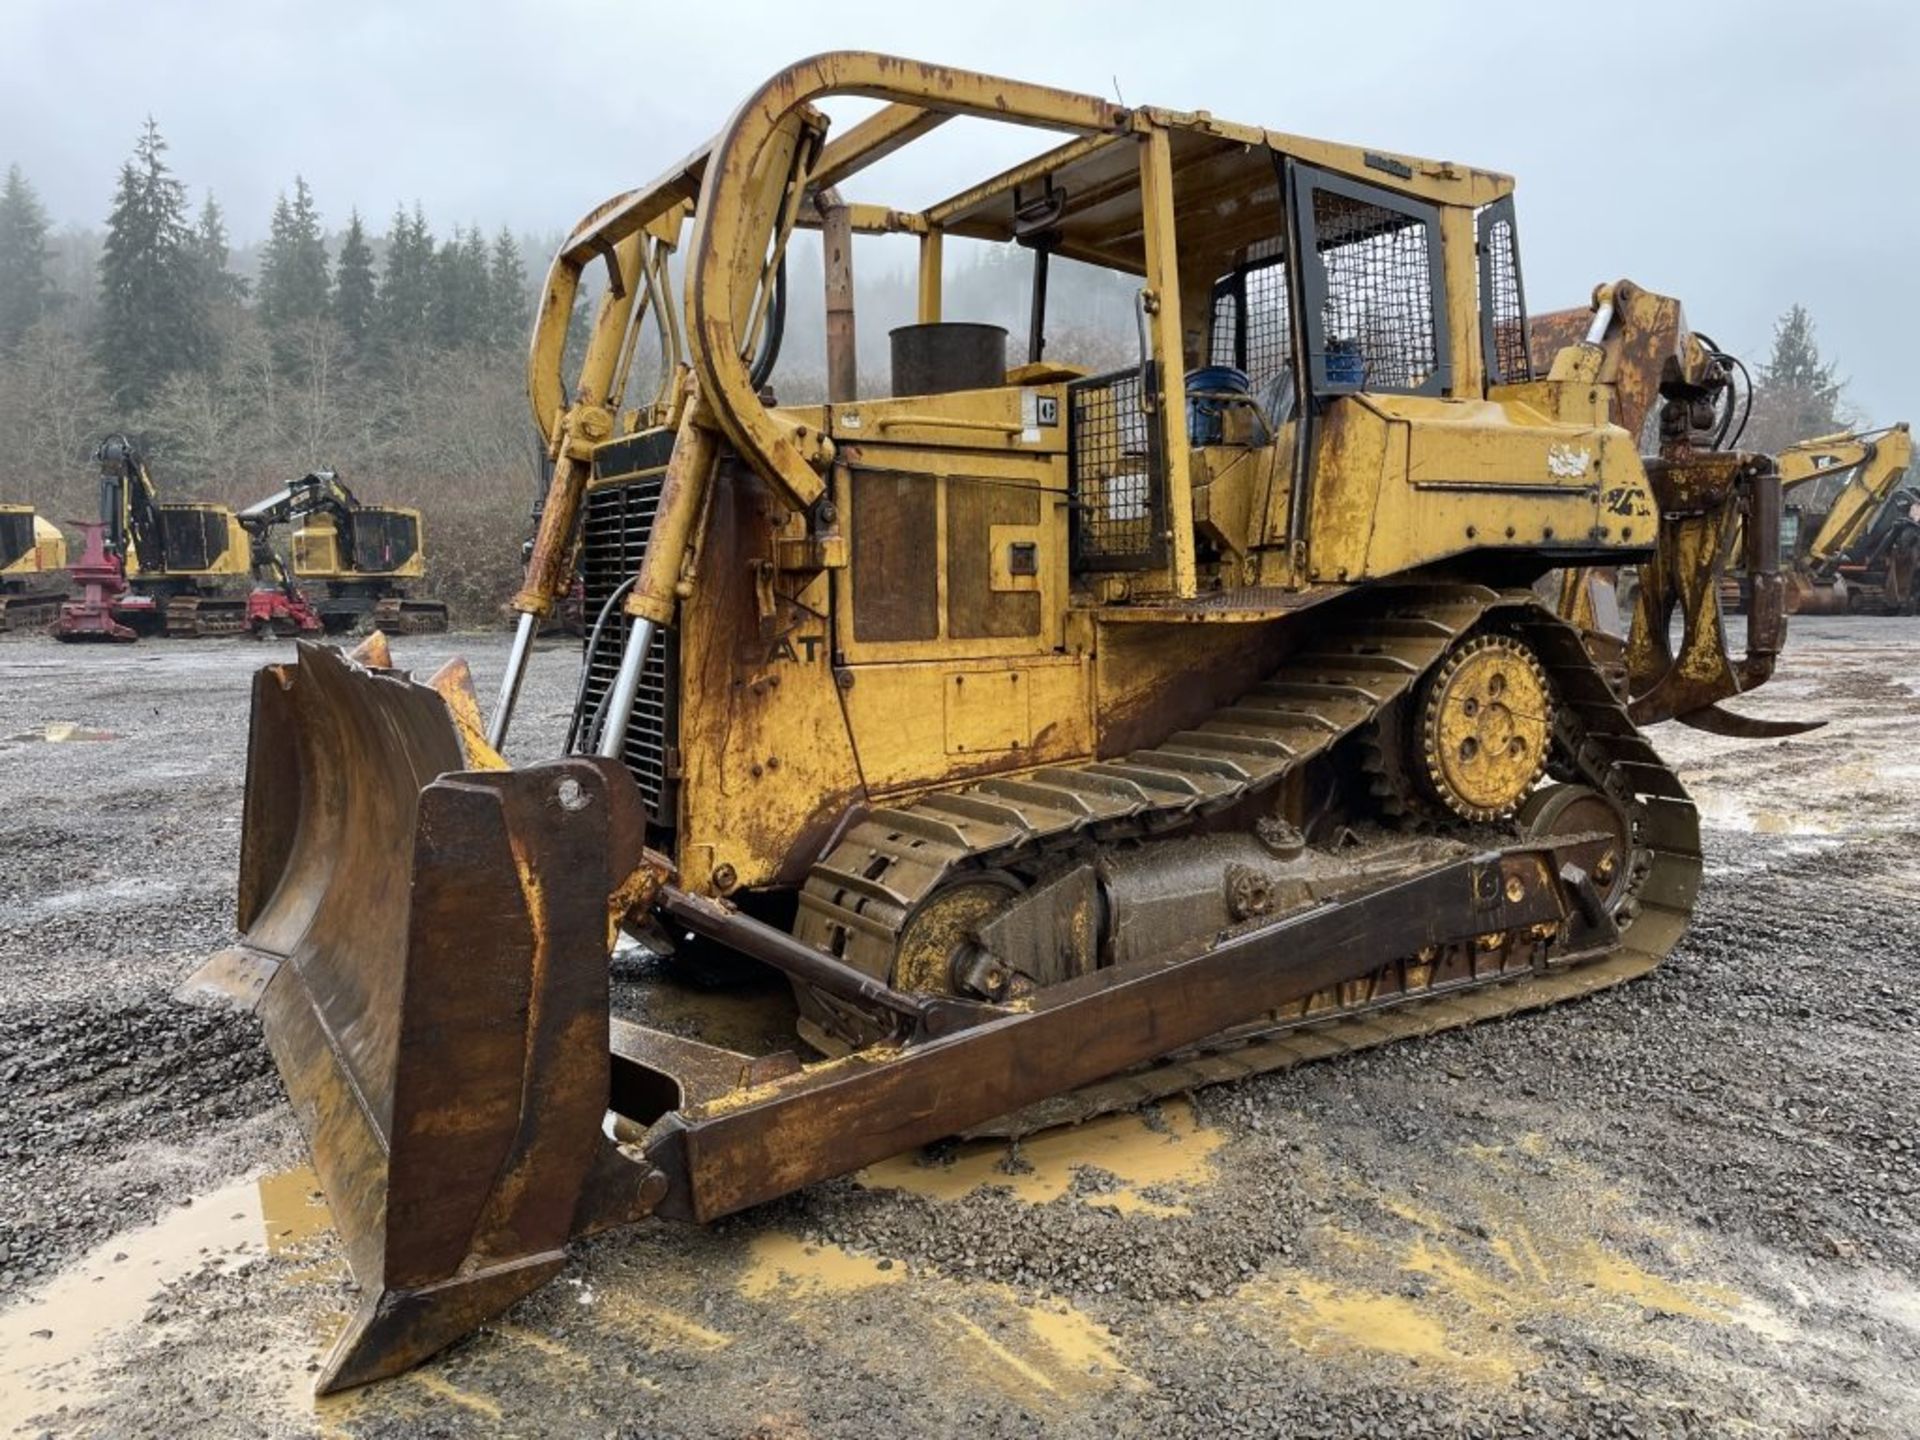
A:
[204,616]
[861,898]
[397,615]
[21,613]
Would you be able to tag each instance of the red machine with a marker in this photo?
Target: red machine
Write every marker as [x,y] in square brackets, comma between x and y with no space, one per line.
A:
[102,582]
[281,610]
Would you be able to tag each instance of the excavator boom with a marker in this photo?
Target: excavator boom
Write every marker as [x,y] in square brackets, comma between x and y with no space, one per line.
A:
[1851,537]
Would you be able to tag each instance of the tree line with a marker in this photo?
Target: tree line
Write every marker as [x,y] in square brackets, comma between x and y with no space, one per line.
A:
[394,356]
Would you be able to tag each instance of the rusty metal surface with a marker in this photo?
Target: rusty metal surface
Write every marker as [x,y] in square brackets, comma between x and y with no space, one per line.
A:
[444,1028]
[234,978]
[441,1026]
[1549,334]
[843,1114]
[1709,502]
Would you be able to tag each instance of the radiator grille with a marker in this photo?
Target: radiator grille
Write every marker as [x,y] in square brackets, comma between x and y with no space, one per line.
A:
[618,523]
[1119,483]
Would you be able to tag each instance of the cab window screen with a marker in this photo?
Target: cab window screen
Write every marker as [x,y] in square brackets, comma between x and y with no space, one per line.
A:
[1503,299]
[1375,316]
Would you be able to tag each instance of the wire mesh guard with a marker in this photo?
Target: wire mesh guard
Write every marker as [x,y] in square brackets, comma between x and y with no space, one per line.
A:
[1119,481]
[1502,306]
[619,522]
[1378,328]
[1253,325]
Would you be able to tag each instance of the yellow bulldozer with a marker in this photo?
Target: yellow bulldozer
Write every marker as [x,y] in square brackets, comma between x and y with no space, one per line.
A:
[33,568]
[1064,740]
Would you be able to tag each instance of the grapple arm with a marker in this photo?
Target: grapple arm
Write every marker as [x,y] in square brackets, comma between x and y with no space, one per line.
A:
[1713,505]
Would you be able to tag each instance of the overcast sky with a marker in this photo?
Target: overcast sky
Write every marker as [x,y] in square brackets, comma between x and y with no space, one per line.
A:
[1740,155]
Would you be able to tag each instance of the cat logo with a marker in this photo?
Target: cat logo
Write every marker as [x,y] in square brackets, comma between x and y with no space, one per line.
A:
[783,648]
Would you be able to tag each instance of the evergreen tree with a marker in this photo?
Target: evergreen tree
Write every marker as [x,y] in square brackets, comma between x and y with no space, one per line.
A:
[293,267]
[508,310]
[221,285]
[1797,395]
[26,292]
[461,292]
[354,292]
[153,320]
[406,283]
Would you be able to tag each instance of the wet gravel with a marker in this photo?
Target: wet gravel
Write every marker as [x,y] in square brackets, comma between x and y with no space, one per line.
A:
[1685,1207]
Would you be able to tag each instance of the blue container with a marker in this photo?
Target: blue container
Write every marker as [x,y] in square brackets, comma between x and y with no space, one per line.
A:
[1205,422]
[1345,364]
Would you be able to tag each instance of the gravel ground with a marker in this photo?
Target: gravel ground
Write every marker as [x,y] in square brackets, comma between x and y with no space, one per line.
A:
[1686,1207]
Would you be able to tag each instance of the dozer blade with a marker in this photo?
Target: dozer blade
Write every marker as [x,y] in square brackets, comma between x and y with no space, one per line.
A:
[435,944]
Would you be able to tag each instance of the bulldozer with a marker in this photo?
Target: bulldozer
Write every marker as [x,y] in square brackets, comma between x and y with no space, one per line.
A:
[33,564]
[352,559]
[1054,741]
[1850,530]
[154,567]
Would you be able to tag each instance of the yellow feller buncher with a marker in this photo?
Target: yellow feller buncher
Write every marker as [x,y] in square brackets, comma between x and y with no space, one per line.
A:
[1064,740]
[353,561]
[33,569]
[153,566]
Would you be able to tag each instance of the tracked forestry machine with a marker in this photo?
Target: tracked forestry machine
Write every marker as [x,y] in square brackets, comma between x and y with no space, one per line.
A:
[154,567]
[353,562]
[33,569]
[1055,740]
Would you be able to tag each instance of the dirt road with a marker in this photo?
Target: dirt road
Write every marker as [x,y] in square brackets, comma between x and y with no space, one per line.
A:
[1687,1207]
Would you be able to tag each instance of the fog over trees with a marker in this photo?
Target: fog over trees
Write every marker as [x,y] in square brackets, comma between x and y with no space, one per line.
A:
[395,357]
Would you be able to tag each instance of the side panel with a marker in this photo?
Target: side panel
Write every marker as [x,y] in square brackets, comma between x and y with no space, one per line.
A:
[316,548]
[931,722]
[767,767]
[1402,482]
[1154,680]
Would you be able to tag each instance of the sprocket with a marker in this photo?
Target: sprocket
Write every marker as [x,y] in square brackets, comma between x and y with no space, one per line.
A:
[1486,727]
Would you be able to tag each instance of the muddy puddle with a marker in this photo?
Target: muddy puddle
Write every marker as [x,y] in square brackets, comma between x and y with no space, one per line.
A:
[1465,1283]
[58,1343]
[1135,1164]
